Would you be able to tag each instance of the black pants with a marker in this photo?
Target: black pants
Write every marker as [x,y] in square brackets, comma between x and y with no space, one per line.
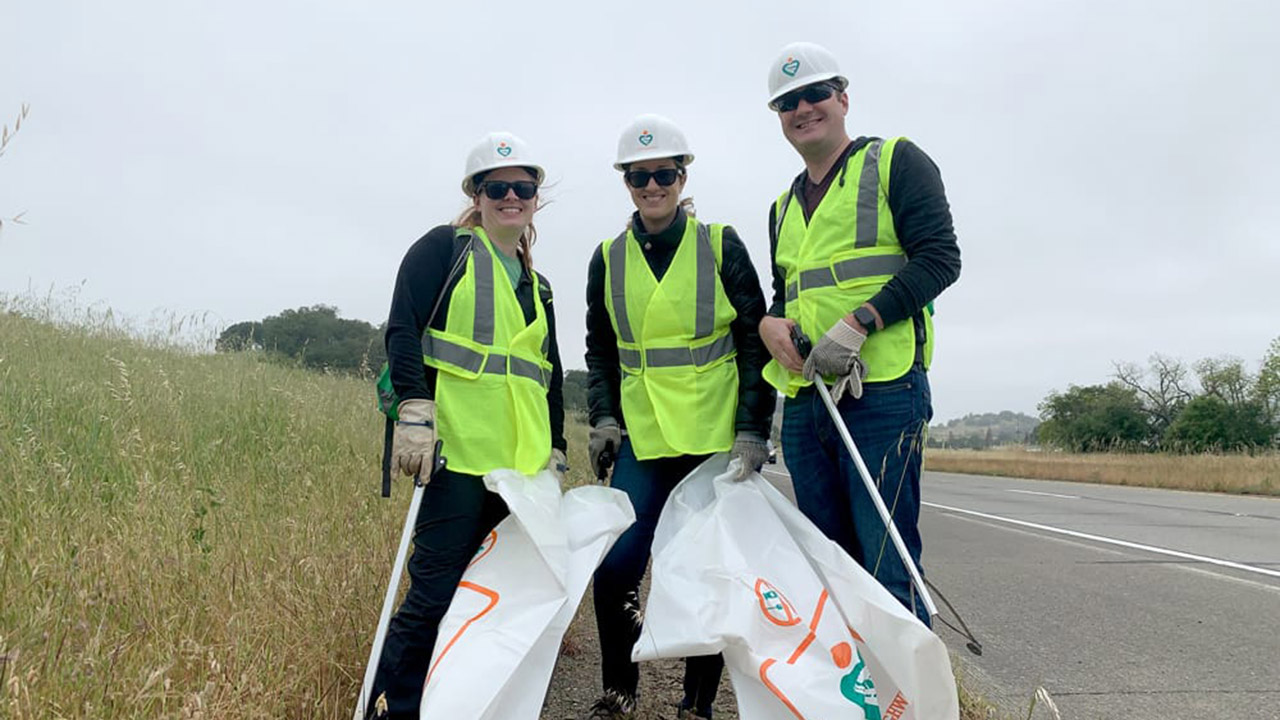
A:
[617,581]
[455,516]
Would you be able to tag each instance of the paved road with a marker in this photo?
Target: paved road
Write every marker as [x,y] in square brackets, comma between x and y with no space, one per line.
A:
[1121,602]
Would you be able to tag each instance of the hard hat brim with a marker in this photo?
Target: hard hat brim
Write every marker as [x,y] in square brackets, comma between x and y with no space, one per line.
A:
[685,159]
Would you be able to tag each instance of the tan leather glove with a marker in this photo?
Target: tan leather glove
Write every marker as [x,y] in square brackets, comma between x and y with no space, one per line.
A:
[414,444]
[558,464]
[838,353]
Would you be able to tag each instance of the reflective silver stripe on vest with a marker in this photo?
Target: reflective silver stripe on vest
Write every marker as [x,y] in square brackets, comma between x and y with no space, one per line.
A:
[679,356]
[869,198]
[482,324]
[705,322]
[845,270]
[618,287]
[629,357]
[445,351]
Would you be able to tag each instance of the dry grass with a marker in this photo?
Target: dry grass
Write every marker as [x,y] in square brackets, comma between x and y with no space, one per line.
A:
[1244,474]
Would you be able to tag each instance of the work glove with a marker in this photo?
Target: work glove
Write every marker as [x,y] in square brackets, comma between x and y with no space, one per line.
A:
[837,353]
[606,437]
[414,444]
[558,464]
[752,451]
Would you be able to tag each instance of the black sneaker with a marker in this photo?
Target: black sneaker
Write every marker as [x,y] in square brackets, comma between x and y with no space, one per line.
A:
[687,714]
[612,706]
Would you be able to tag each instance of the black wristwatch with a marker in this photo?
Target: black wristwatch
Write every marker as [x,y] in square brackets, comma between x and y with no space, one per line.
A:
[865,318]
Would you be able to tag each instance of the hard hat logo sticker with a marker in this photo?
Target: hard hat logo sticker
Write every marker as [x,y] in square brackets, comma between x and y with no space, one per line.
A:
[645,138]
[791,67]
[504,149]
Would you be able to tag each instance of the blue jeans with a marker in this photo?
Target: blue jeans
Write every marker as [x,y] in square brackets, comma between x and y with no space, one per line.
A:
[617,581]
[888,425]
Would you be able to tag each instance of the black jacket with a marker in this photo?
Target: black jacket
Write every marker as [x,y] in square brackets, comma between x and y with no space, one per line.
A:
[922,219]
[756,398]
[420,281]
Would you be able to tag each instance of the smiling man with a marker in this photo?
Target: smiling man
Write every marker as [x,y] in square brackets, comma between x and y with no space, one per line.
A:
[861,244]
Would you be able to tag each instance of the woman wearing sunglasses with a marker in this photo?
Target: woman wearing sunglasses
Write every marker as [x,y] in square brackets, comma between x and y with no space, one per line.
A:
[471,347]
[674,357]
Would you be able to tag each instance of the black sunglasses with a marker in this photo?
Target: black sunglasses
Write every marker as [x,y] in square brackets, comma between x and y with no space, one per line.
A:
[638,179]
[497,189]
[812,94]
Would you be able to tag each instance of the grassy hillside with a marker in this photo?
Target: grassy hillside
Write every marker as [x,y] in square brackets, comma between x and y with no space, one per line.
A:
[188,535]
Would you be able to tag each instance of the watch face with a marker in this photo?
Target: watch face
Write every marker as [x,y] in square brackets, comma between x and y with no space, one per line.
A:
[865,319]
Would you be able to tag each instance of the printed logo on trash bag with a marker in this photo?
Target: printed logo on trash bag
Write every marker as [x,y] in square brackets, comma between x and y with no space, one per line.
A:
[857,688]
[775,606]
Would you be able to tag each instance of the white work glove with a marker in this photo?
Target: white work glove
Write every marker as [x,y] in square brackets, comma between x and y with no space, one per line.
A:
[837,353]
[558,464]
[605,436]
[414,445]
[749,448]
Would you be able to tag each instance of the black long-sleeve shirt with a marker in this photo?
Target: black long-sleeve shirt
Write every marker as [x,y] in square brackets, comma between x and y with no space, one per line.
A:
[921,217]
[756,397]
[421,280]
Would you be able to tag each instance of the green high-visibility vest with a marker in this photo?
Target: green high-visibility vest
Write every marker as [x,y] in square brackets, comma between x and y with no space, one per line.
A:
[491,388]
[679,379]
[839,259]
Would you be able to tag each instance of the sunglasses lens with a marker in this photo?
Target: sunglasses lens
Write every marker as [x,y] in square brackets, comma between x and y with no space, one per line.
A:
[812,94]
[497,189]
[640,178]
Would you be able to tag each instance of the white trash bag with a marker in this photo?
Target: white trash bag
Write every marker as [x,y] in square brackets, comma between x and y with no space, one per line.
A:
[805,631]
[498,642]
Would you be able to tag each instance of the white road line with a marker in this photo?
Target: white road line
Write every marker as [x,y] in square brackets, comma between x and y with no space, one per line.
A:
[1111,541]
[1033,492]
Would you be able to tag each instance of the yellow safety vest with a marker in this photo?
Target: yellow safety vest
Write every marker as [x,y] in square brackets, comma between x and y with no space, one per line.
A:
[679,378]
[491,389]
[839,259]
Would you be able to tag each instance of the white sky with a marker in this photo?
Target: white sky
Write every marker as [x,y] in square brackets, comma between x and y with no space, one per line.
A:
[1112,165]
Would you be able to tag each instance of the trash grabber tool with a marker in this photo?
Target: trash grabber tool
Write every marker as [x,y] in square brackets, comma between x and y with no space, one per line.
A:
[397,569]
[875,497]
[803,346]
[606,462]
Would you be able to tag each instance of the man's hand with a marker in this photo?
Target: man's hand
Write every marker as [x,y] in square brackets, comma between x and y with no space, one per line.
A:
[776,334]
[605,436]
[837,353]
[414,443]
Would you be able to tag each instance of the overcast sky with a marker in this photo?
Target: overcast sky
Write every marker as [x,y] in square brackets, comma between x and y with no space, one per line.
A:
[1113,166]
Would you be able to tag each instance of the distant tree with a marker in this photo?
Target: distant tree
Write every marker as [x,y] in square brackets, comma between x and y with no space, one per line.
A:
[1209,423]
[1267,387]
[1225,378]
[1094,417]
[575,391]
[241,336]
[1161,387]
[313,336]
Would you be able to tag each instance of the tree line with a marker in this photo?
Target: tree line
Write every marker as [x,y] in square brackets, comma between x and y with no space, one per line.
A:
[1212,404]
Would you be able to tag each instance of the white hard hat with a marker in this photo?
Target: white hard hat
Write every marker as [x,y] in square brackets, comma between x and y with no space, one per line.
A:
[800,64]
[498,150]
[650,137]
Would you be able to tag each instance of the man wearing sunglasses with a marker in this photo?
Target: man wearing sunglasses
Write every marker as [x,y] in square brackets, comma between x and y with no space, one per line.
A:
[861,244]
